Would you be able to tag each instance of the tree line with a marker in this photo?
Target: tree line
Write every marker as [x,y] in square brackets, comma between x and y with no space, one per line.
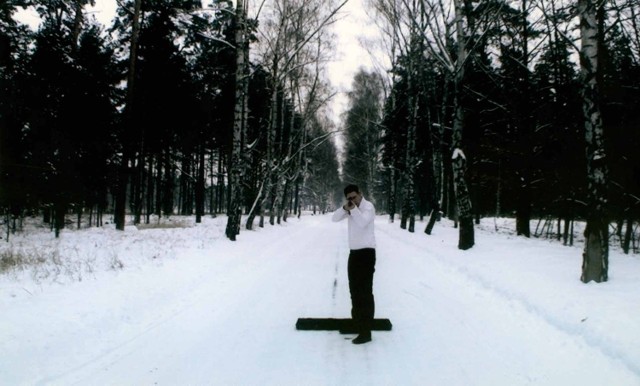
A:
[489,108]
[165,112]
[493,108]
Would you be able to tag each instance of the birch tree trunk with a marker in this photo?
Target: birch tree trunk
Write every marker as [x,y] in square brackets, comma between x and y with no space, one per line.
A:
[595,263]
[459,162]
[234,211]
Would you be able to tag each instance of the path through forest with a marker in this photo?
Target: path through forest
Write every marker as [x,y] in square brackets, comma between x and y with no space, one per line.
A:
[225,313]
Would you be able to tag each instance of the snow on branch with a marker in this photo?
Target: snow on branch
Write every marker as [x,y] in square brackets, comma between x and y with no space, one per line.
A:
[458,153]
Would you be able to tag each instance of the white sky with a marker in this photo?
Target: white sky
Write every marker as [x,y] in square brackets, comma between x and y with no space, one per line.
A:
[352,29]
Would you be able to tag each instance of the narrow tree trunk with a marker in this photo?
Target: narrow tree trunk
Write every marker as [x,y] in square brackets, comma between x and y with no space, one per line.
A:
[235,176]
[523,210]
[199,193]
[296,197]
[150,190]
[284,208]
[275,202]
[137,188]
[459,162]
[186,200]
[255,208]
[628,235]
[436,145]
[168,187]
[596,250]
[212,185]
[60,210]
[409,205]
[567,227]
[123,174]
[77,24]
[159,185]
[392,193]
[46,214]
[499,189]
[410,189]
[221,182]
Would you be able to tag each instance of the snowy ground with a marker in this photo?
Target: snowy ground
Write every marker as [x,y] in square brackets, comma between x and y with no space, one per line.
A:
[178,306]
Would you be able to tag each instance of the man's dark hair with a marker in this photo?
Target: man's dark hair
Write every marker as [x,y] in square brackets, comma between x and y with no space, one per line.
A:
[351,188]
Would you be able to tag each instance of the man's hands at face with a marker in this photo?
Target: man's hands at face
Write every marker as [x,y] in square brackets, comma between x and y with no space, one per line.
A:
[349,205]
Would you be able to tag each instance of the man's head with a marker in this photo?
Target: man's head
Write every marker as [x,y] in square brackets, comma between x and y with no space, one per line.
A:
[352,193]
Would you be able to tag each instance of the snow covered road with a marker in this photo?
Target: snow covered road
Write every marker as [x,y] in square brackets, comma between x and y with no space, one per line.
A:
[224,313]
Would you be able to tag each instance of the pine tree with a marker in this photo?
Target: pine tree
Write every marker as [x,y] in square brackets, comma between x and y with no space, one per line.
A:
[14,172]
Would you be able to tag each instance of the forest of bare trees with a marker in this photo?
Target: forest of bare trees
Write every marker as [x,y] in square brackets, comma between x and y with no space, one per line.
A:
[526,109]
[521,108]
[166,111]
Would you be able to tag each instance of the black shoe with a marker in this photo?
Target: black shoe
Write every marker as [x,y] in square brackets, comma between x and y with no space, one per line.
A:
[362,338]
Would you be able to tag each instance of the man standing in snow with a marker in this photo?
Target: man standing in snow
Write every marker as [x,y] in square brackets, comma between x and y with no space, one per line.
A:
[360,214]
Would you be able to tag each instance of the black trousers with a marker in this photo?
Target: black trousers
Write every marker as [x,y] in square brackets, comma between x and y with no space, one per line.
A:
[361,267]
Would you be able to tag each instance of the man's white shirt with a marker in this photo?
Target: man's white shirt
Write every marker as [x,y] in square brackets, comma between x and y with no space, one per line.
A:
[360,224]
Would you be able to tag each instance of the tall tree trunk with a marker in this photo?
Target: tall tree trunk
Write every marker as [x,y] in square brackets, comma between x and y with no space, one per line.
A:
[438,170]
[150,190]
[59,211]
[595,262]
[185,200]
[234,211]
[127,146]
[77,24]
[200,183]
[392,193]
[523,209]
[280,170]
[137,188]
[212,185]
[159,185]
[168,188]
[459,162]
[221,183]
[296,195]
[284,207]
[409,183]
[628,234]
[255,208]
[409,205]
[271,168]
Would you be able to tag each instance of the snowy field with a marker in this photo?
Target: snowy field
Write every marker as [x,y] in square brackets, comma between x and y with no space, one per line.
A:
[184,306]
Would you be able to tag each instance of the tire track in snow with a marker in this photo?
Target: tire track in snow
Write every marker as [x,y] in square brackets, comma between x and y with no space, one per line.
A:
[480,284]
[276,279]
[180,307]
